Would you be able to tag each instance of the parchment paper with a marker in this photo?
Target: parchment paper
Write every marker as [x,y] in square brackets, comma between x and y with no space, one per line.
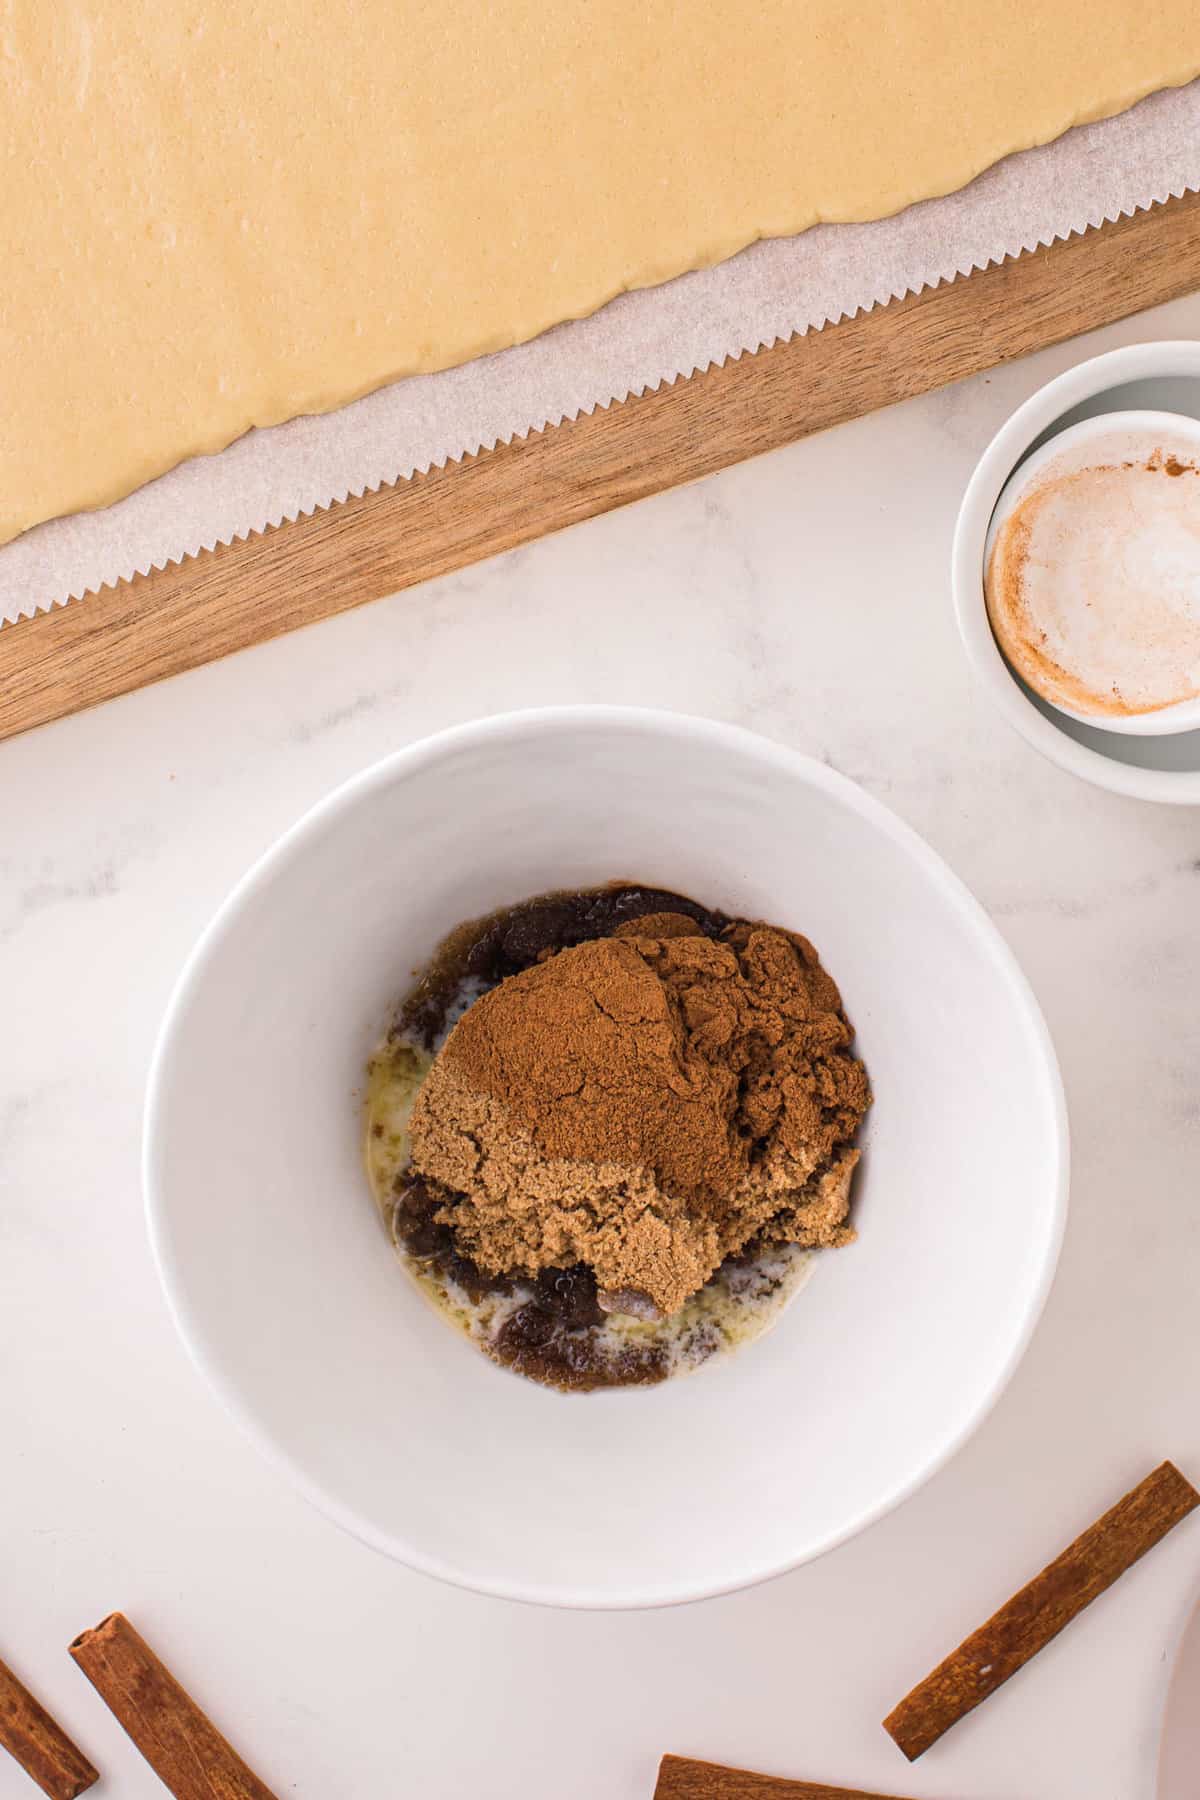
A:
[770,291]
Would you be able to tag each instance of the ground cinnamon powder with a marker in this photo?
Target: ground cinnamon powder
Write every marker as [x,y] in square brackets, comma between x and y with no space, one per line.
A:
[647,1103]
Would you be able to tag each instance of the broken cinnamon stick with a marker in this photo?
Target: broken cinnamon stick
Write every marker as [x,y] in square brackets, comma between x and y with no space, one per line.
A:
[679,1778]
[185,1750]
[1039,1612]
[42,1748]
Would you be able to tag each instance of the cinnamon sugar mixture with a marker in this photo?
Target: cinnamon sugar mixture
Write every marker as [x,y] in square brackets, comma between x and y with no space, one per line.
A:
[646,1104]
[609,1128]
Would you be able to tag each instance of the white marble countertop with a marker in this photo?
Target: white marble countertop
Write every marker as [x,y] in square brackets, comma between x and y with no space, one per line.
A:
[805,595]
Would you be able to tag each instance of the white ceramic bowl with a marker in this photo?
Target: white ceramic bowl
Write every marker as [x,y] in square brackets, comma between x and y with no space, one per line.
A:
[287,1292]
[1163,377]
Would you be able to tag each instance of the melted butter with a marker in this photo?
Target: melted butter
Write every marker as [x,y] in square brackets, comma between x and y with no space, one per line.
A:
[394,1077]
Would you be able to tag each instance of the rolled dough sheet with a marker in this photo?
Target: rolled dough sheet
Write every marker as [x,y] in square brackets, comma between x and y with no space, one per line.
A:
[218,217]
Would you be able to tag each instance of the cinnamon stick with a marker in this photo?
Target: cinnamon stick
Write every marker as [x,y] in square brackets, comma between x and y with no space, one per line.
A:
[42,1748]
[679,1778]
[186,1751]
[1039,1612]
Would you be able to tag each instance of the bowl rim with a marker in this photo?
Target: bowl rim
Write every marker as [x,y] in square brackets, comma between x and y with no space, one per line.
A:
[406,762]
[1113,368]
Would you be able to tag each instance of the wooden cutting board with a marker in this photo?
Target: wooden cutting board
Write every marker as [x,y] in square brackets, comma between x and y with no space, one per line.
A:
[294,574]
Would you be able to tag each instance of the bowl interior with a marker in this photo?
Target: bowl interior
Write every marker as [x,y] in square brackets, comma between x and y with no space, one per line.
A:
[285,1285]
[1168,752]
[1152,393]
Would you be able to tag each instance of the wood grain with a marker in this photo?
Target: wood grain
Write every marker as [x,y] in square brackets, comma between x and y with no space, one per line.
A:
[39,1744]
[183,1747]
[679,1778]
[297,573]
[1043,1608]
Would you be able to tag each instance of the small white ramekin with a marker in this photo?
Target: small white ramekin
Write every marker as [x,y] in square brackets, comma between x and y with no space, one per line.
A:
[1074,448]
[1164,377]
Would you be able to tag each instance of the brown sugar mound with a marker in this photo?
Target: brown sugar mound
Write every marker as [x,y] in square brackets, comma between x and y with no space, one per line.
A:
[647,1104]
